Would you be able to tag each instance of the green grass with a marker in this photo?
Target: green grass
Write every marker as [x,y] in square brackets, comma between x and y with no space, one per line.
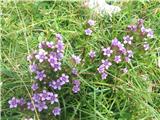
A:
[122,97]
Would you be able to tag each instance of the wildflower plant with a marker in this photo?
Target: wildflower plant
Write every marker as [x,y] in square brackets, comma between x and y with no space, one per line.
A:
[46,69]
[49,76]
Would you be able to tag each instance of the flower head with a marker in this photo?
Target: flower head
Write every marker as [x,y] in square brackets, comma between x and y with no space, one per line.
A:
[91,22]
[59,36]
[56,111]
[13,102]
[104,76]
[88,31]
[92,54]
[76,59]
[146,46]
[76,89]
[115,42]
[40,75]
[117,59]
[41,55]
[74,71]
[41,105]
[127,39]
[107,51]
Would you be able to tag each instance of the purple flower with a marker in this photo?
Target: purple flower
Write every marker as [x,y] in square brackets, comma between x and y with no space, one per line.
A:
[76,82]
[74,71]
[34,86]
[56,84]
[125,70]
[13,102]
[41,56]
[40,75]
[56,111]
[115,42]
[92,54]
[146,46]
[56,66]
[130,53]
[21,102]
[117,59]
[54,98]
[59,36]
[76,59]
[42,44]
[149,33]
[52,59]
[140,22]
[33,67]
[101,68]
[44,95]
[75,89]
[88,31]
[41,105]
[64,79]
[30,106]
[127,39]
[104,76]
[107,51]
[36,97]
[127,59]
[132,28]
[91,22]
[50,44]
[60,46]
[106,63]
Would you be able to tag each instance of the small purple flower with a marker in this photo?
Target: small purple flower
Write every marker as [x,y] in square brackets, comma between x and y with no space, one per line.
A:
[117,59]
[125,70]
[44,95]
[88,31]
[106,63]
[75,89]
[101,68]
[149,33]
[91,22]
[140,22]
[40,75]
[21,102]
[33,67]
[50,44]
[132,28]
[30,106]
[60,46]
[41,105]
[127,59]
[52,59]
[54,98]
[76,59]
[115,42]
[146,46]
[127,39]
[104,76]
[56,111]
[130,53]
[42,44]
[74,71]
[13,102]
[143,30]
[92,54]
[64,78]
[107,51]
[59,36]
[76,82]
[34,86]
[56,66]
[36,97]
[41,56]
[56,84]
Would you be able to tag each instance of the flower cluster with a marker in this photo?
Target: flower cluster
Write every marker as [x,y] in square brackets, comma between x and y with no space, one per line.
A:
[89,31]
[121,51]
[43,63]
